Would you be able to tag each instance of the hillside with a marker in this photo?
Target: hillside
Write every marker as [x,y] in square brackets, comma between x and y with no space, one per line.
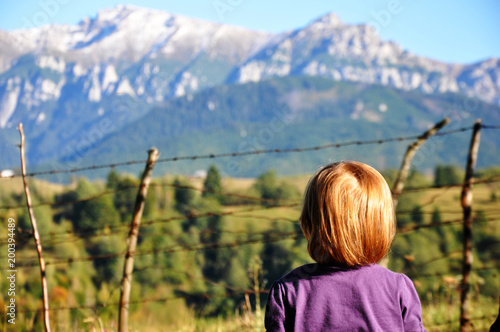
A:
[296,112]
[178,267]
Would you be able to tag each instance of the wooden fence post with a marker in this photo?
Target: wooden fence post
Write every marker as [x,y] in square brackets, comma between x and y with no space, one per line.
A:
[36,236]
[466,200]
[132,241]
[404,170]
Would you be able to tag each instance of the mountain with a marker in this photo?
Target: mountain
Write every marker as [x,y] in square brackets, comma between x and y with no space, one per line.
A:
[73,86]
[60,80]
[329,48]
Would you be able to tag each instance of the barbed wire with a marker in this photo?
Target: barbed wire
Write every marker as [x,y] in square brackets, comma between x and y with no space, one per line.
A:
[224,194]
[472,319]
[54,241]
[52,237]
[63,203]
[423,213]
[184,296]
[449,273]
[149,222]
[238,154]
[441,193]
[268,236]
[123,188]
[450,254]
[190,276]
[407,229]
[490,127]
[91,230]
[239,292]
[414,267]
[492,179]
[172,249]
[148,300]
[297,234]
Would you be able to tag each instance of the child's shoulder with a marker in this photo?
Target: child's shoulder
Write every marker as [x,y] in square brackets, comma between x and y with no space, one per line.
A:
[306,271]
[374,272]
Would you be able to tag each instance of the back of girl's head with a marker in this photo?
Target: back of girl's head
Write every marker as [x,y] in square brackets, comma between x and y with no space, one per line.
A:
[348,216]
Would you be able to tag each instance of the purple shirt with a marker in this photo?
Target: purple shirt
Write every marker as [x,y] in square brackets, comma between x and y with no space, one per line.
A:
[318,297]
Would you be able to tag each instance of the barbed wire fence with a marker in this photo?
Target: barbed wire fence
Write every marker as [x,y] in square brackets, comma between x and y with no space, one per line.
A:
[53,239]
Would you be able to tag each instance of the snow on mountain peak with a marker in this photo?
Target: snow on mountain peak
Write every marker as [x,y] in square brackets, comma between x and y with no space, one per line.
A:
[121,13]
[113,14]
[330,19]
[114,53]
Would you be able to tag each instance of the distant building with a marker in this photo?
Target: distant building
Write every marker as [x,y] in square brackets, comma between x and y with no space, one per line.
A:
[201,173]
[6,173]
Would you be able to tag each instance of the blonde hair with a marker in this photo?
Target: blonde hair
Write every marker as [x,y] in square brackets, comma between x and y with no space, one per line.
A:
[348,216]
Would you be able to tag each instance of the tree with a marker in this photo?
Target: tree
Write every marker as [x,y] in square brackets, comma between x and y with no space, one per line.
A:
[480,223]
[212,183]
[406,203]
[98,212]
[124,198]
[112,179]
[417,215]
[277,259]
[446,175]
[184,197]
[218,260]
[436,217]
[269,188]
[106,268]
[416,179]
[126,192]
[150,205]
[267,185]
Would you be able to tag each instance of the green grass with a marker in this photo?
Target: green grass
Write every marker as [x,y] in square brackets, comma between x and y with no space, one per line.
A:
[440,316]
[440,309]
[445,315]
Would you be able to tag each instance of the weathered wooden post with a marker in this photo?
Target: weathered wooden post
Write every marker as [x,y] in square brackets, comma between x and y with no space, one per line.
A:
[36,236]
[132,241]
[467,229]
[404,170]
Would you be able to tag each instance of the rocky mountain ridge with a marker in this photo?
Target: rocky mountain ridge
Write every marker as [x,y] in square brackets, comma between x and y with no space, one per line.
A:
[60,80]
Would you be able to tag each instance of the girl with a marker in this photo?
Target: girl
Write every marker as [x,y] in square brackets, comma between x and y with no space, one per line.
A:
[349,223]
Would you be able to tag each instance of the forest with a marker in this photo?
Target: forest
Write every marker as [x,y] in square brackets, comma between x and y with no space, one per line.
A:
[209,248]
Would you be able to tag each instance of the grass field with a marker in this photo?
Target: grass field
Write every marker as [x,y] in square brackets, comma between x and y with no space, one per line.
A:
[439,314]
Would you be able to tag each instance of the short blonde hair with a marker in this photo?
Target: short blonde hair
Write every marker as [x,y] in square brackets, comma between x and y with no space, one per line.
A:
[348,216]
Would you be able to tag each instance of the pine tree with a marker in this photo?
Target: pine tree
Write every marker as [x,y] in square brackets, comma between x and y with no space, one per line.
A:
[212,183]
[184,198]
[112,180]
[436,217]
[445,175]
[267,185]
[124,198]
[417,215]
[92,213]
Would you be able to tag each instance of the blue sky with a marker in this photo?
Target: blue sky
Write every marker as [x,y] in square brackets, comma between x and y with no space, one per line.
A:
[452,31]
